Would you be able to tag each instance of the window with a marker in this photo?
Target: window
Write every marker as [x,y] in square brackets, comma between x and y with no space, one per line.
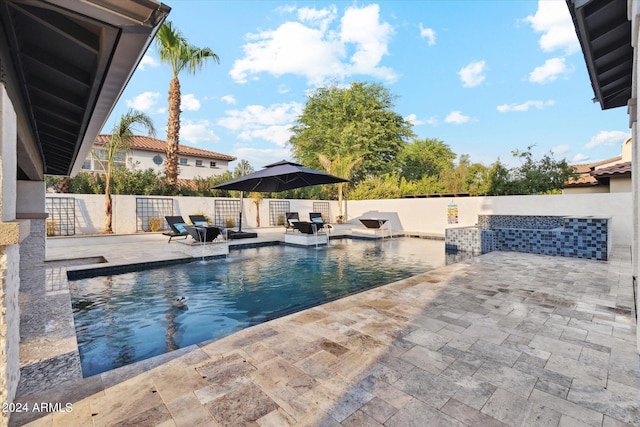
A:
[96,161]
[212,164]
[157,160]
[199,163]
[183,161]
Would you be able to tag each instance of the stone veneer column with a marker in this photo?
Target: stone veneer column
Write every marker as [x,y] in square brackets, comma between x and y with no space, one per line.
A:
[31,206]
[11,233]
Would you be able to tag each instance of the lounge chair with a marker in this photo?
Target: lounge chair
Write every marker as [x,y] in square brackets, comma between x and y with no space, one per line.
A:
[305,227]
[316,218]
[177,227]
[207,232]
[199,220]
[212,232]
[372,223]
[290,219]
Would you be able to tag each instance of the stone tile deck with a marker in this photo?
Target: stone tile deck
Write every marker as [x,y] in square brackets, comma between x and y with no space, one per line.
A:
[501,339]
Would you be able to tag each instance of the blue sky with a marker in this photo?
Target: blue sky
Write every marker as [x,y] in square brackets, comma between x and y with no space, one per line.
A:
[485,77]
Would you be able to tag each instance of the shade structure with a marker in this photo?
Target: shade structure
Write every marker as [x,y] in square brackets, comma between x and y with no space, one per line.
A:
[280,176]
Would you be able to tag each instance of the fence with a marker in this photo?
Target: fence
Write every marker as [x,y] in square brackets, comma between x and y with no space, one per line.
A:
[62,216]
[429,215]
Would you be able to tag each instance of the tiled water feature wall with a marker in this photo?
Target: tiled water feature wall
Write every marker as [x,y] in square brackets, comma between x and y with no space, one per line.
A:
[569,236]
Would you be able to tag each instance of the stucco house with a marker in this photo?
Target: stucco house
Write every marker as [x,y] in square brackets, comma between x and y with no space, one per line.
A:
[147,152]
[606,176]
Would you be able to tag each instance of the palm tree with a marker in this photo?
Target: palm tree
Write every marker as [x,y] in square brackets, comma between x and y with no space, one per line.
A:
[256,199]
[341,167]
[120,141]
[176,51]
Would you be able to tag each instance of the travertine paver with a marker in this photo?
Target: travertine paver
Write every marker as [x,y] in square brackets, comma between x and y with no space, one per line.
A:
[502,339]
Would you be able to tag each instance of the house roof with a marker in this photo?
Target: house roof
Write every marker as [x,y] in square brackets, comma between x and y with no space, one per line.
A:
[617,170]
[604,32]
[147,143]
[584,176]
[65,64]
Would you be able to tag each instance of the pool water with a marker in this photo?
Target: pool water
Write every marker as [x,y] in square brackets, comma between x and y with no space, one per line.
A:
[126,318]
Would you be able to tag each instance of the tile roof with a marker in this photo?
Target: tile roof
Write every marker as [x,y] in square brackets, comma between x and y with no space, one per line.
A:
[147,143]
[584,177]
[619,169]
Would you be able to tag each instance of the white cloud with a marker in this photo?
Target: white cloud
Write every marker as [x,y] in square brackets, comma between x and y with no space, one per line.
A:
[607,138]
[277,134]
[472,75]
[362,27]
[229,99]
[554,20]
[308,47]
[196,132]
[286,9]
[579,158]
[259,158]
[144,102]
[413,119]
[550,71]
[147,61]
[429,34]
[319,18]
[189,102]
[270,123]
[525,106]
[560,149]
[457,118]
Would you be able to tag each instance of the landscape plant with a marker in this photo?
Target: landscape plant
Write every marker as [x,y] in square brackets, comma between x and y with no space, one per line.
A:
[119,141]
[176,51]
[357,121]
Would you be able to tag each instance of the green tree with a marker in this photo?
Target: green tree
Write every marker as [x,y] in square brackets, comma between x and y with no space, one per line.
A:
[176,51]
[136,181]
[428,184]
[377,187]
[541,176]
[429,156]
[242,168]
[356,121]
[342,167]
[546,175]
[500,180]
[467,177]
[120,140]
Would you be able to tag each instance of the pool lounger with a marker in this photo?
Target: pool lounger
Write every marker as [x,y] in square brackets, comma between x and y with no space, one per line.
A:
[177,227]
[372,223]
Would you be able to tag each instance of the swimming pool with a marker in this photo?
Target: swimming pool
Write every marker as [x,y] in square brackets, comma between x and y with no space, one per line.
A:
[125,318]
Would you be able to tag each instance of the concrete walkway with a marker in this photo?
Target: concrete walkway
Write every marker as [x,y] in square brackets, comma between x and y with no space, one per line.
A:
[501,339]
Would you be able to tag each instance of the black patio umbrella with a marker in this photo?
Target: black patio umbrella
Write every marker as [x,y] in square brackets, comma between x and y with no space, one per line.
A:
[279,176]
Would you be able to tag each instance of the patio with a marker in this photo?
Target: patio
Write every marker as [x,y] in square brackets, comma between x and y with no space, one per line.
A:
[501,339]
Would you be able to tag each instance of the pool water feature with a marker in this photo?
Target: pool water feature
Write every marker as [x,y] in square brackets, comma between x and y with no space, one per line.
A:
[125,318]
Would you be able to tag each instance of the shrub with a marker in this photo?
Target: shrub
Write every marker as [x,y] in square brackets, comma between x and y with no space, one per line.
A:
[229,222]
[156,224]
[51,228]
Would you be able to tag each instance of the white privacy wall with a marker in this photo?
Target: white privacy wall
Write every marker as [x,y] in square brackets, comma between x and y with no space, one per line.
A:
[428,215]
